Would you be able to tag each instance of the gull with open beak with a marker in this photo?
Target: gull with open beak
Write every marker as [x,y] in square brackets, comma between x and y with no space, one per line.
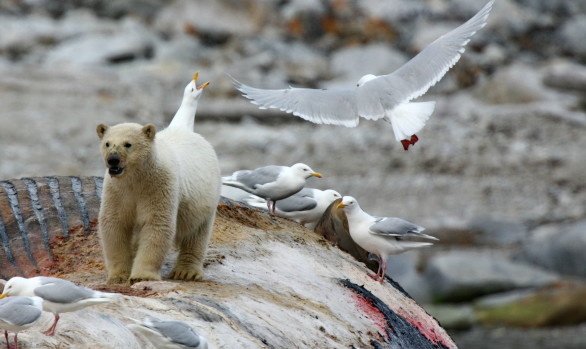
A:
[382,236]
[185,115]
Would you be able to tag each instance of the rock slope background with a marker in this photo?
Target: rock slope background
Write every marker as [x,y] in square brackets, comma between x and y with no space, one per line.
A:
[498,174]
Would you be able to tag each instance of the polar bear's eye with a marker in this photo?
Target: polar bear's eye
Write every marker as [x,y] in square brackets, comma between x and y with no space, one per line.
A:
[127,145]
[107,144]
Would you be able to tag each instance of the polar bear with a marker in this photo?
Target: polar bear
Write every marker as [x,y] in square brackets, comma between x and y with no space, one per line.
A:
[159,187]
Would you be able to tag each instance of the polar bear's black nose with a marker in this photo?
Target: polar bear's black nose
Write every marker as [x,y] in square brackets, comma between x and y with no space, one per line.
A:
[113,160]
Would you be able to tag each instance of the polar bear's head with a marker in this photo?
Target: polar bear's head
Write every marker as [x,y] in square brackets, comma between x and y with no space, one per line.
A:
[125,146]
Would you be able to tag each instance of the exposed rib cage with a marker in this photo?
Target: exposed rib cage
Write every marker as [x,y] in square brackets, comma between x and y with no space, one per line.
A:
[34,211]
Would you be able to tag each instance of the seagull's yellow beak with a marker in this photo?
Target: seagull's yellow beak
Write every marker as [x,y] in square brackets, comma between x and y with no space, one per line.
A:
[3,295]
[342,205]
[316,174]
[195,76]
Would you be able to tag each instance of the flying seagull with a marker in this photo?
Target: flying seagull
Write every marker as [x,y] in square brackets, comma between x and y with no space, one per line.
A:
[384,97]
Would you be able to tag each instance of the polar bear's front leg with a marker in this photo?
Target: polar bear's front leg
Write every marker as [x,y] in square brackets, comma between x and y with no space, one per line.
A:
[115,236]
[189,264]
[154,241]
[192,241]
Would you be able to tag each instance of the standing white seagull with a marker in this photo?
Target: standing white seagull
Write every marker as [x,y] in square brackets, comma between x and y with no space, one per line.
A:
[271,182]
[305,207]
[59,296]
[384,97]
[186,112]
[382,236]
[17,314]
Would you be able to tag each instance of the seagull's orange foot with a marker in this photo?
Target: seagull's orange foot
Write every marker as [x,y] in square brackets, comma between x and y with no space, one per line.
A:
[373,276]
[50,332]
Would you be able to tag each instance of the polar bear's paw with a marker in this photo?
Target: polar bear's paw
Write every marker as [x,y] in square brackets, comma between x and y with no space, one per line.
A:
[144,276]
[118,278]
[189,273]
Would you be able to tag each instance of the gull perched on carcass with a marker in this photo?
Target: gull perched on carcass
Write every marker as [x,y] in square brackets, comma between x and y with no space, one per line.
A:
[271,182]
[382,236]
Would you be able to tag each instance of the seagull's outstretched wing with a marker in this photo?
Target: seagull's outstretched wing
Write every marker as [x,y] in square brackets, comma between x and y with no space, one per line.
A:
[334,106]
[372,99]
[423,71]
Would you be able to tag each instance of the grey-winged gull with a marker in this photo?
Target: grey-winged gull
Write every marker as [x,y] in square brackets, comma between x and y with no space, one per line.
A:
[271,182]
[305,207]
[17,314]
[169,334]
[382,236]
[185,115]
[59,296]
[384,97]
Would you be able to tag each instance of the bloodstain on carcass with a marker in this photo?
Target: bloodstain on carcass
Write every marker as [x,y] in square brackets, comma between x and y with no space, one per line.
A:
[373,313]
[401,331]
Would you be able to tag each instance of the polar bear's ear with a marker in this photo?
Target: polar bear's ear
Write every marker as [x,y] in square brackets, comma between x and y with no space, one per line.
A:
[101,130]
[149,131]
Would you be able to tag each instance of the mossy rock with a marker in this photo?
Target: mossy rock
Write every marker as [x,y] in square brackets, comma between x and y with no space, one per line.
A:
[556,305]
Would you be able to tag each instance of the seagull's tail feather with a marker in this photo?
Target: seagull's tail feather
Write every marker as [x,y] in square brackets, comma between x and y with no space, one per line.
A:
[233,182]
[230,178]
[145,330]
[422,236]
[256,201]
[408,118]
[108,296]
[410,245]
[233,179]
[229,181]
[99,299]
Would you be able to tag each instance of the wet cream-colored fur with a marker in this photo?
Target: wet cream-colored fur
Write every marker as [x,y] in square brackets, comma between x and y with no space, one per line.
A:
[167,191]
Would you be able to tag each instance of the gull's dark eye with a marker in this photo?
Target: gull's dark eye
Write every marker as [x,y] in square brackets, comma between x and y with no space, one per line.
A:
[107,144]
[127,145]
